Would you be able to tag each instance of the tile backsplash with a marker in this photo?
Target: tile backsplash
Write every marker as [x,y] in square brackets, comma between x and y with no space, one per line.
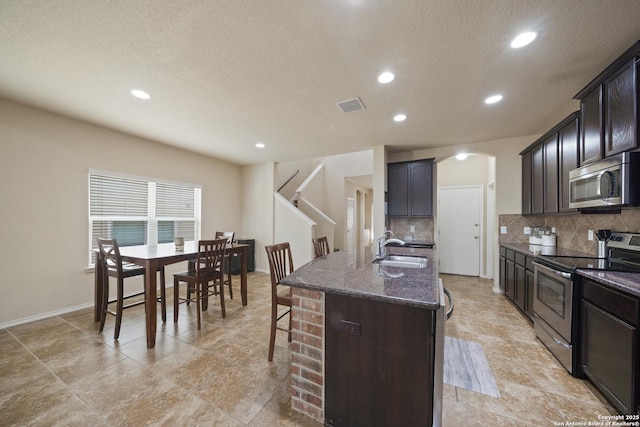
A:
[424,228]
[571,229]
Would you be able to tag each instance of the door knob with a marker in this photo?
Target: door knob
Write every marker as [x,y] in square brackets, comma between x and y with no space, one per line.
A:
[475,237]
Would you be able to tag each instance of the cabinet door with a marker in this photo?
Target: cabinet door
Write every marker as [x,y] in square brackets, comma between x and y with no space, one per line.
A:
[421,188]
[609,354]
[519,288]
[503,273]
[509,285]
[621,111]
[550,180]
[591,136]
[537,180]
[568,151]
[526,183]
[398,189]
[410,188]
[379,363]
[528,286]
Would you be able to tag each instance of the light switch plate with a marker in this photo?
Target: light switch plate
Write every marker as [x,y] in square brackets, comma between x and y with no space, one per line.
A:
[527,230]
[590,235]
[503,229]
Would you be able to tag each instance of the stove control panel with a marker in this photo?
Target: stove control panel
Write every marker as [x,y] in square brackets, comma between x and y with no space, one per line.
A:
[630,241]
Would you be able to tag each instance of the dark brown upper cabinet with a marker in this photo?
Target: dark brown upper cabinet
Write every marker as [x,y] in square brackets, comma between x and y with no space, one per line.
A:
[545,169]
[526,183]
[621,106]
[609,109]
[550,199]
[568,147]
[537,180]
[410,188]
[591,135]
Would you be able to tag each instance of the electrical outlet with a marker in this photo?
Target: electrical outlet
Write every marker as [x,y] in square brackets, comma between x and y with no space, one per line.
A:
[503,229]
[527,230]
[413,228]
[590,235]
[553,230]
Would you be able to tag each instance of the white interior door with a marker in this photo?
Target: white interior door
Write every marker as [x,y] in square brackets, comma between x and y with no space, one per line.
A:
[460,230]
[350,219]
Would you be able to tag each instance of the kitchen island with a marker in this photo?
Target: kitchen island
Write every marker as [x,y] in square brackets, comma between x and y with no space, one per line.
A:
[368,340]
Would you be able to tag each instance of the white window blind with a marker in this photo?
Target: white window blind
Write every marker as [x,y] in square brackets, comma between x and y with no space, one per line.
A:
[139,211]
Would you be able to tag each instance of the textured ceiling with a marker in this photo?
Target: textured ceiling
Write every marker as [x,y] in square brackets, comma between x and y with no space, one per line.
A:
[224,75]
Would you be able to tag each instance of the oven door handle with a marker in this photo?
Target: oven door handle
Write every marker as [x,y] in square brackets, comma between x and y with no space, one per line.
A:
[558,273]
[563,274]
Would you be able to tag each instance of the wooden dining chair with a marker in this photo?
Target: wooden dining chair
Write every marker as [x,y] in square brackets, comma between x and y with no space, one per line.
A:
[207,268]
[229,235]
[321,246]
[113,266]
[280,266]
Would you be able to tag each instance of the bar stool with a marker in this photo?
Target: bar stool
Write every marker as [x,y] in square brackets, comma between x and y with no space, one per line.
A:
[321,246]
[280,265]
[113,266]
[208,268]
[229,235]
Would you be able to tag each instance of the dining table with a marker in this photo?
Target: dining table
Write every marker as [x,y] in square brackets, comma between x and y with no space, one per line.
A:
[153,257]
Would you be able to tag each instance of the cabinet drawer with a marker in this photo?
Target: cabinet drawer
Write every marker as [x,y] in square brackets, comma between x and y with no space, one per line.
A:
[510,254]
[623,306]
[529,263]
[503,251]
[521,259]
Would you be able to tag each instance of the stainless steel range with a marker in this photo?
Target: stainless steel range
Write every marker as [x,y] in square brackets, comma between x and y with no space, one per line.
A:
[556,295]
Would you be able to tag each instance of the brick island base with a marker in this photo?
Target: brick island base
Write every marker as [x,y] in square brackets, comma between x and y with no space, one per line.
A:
[307,353]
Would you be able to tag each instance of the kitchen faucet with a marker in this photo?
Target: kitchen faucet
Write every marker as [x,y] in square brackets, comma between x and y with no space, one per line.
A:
[383,242]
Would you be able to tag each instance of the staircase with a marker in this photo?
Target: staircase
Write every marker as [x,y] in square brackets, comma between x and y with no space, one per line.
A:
[299,218]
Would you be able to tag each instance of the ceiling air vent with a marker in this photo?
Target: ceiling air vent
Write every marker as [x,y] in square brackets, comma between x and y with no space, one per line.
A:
[351,105]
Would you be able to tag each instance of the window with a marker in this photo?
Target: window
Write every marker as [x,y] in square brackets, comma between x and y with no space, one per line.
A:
[139,211]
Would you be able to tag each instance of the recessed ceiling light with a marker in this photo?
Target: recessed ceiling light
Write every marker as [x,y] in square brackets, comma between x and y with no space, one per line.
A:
[461,156]
[140,94]
[523,39]
[260,145]
[386,77]
[399,117]
[493,99]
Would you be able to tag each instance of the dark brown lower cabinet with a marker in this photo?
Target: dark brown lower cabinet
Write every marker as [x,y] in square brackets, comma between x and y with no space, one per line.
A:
[519,285]
[510,283]
[379,361]
[609,345]
[516,279]
[528,304]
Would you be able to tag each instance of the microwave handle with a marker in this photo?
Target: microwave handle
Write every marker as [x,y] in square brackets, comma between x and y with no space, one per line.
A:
[609,180]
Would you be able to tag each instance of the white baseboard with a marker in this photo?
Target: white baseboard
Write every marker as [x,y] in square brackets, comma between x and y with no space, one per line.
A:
[44,315]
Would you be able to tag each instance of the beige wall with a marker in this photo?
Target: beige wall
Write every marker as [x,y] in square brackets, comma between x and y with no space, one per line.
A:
[44,211]
[257,209]
[337,168]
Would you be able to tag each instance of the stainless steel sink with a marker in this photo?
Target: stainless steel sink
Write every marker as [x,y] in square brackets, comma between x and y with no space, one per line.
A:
[402,261]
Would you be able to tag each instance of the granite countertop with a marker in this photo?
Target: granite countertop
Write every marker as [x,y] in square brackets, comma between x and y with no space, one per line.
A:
[535,250]
[625,282]
[352,273]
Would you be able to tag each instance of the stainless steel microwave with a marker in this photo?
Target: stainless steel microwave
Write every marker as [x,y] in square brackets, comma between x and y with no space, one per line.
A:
[609,182]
